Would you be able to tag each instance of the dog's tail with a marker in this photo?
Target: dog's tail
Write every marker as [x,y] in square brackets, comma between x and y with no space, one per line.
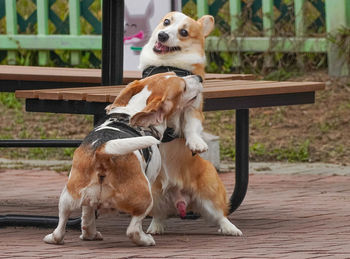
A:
[127,145]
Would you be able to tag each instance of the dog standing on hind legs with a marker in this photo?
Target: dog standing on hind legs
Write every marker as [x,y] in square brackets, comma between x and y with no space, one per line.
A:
[119,160]
[186,182]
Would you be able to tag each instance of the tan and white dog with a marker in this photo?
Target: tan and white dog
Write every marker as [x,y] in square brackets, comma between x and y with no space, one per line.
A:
[186,182]
[119,160]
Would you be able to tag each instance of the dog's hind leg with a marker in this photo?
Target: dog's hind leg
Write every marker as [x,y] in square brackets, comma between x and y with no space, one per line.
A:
[134,231]
[138,213]
[136,234]
[157,226]
[216,215]
[162,208]
[66,205]
[88,225]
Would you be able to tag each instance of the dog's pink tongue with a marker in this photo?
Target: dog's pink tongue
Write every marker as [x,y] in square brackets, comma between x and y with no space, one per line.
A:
[159,46]
[181,208]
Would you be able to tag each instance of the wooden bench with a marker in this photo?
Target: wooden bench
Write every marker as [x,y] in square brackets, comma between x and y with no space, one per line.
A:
[14,78]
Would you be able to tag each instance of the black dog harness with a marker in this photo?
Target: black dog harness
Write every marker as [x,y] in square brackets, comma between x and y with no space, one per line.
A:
[152,70]
[118,127]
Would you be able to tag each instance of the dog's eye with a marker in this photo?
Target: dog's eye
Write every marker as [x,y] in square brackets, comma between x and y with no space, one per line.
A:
[183,33]
[166,22]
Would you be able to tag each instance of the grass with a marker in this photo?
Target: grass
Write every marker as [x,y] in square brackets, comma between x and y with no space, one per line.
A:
[10,101]
[258,151]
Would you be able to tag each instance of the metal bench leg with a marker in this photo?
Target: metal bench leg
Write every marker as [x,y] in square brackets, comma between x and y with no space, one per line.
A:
[242,158]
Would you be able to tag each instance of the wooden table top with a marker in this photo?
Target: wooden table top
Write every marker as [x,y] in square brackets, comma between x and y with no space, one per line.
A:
[82,75]
[216,88]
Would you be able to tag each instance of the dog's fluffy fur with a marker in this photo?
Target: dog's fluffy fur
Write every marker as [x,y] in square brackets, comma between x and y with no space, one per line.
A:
[186,182]
[109,171]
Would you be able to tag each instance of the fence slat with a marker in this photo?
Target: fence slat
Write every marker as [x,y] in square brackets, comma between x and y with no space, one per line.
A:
[43,27]
[268,26]
[263,44]
[74,27]
[11,27]
[235,15]
[51,42]
[268,17]
[202,8]
[336,17]
[299,18]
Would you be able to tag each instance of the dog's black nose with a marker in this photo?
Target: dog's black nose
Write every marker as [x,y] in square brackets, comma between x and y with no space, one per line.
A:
[200,79]
[163,36]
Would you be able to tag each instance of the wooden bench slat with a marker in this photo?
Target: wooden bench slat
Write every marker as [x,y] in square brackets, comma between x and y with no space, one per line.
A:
[235,91]
[58,74]
[212,76]
[75,95]
[251,90]
[34,93]
[83,75]
[212,89]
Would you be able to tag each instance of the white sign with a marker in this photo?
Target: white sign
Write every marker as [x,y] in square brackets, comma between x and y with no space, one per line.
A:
[140,19]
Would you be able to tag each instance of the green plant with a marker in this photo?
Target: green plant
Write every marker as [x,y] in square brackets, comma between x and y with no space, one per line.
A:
[10,101]
[68,152]
[257,150]
[297,153]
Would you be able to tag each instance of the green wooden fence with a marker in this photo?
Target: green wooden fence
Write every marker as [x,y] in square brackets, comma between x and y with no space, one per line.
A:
[265,14]
[65,33]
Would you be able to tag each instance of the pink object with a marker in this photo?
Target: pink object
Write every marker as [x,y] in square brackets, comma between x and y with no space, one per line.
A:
[181,208]
[138,35]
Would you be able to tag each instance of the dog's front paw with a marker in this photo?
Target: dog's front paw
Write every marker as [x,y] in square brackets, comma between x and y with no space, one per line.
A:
[196,144]
[155,228]
[50,239]
[96,236]
[227,228]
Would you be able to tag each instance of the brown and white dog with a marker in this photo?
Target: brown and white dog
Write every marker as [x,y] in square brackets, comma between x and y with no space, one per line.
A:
[119,160]
[186,182]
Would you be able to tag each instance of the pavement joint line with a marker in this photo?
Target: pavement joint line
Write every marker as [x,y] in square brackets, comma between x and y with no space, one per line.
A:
[254,167]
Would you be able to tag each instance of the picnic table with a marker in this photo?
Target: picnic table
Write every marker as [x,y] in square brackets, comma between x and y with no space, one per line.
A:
[220,93]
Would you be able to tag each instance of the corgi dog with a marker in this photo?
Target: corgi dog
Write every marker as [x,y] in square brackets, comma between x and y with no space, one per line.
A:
[117,163]
[186,182]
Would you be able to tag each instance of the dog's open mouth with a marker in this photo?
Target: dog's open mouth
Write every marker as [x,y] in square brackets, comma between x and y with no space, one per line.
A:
[162,49]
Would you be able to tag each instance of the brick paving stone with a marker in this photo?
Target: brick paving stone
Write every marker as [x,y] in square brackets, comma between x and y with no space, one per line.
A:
[283,216]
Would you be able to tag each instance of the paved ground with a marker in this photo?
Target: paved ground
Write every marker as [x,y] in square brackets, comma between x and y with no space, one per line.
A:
[294,215]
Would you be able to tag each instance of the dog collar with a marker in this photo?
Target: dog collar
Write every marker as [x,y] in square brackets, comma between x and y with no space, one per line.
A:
[152,70]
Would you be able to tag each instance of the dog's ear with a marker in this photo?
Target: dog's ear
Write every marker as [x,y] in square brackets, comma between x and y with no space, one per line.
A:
[125,95]
[207,22]
[150,10]
[153,114]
